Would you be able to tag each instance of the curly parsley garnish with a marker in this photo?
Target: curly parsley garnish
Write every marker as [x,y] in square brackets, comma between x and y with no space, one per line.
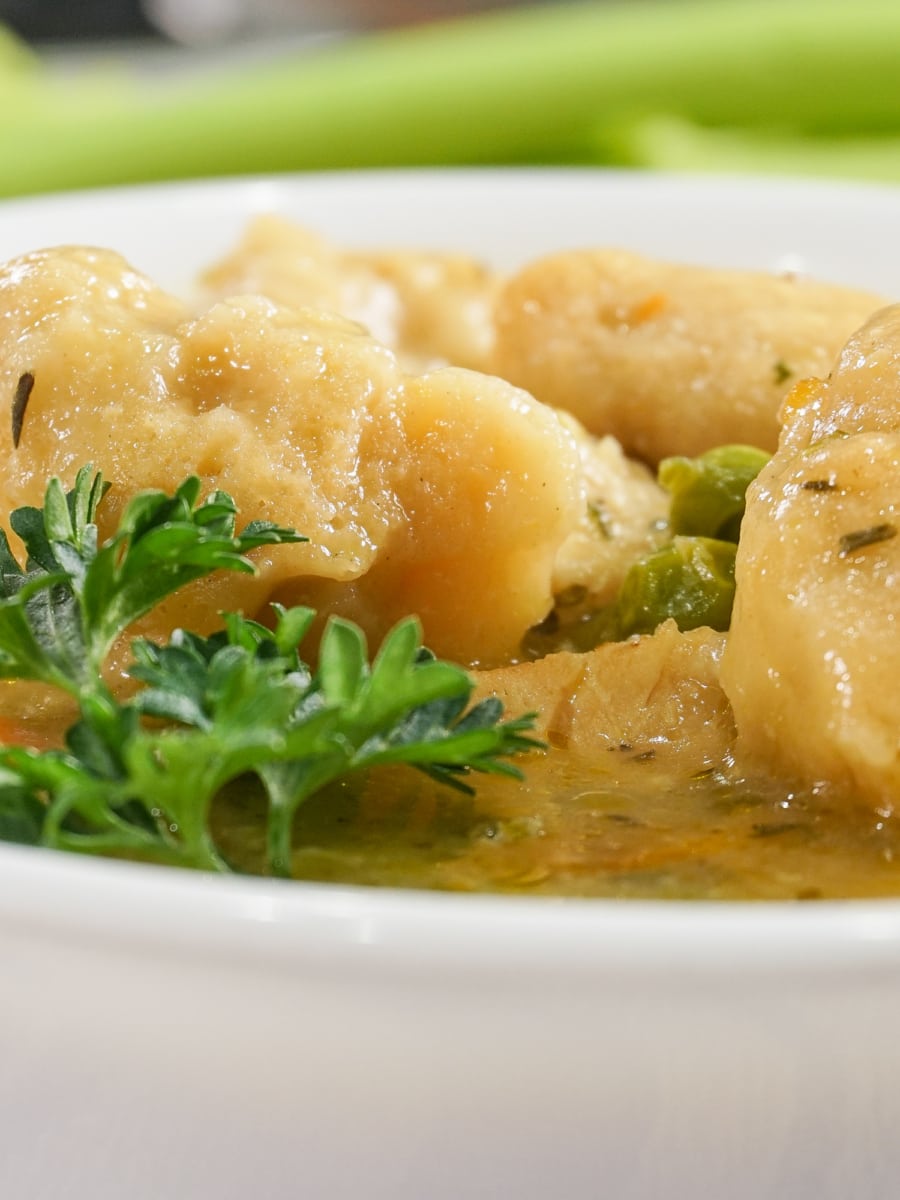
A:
[139,777]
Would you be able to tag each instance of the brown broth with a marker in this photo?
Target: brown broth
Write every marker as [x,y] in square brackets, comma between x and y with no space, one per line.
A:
[630,830]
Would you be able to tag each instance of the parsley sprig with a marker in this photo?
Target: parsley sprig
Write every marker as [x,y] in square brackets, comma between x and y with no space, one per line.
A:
[140,776]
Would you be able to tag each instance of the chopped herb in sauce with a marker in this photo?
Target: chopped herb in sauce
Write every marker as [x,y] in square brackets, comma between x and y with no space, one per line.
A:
[767,829]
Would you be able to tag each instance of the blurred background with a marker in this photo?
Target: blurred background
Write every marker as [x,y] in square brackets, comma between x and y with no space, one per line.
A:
[204,22]
[115,91]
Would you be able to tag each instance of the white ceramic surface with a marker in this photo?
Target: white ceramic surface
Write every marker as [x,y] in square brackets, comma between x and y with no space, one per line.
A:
[166,1035]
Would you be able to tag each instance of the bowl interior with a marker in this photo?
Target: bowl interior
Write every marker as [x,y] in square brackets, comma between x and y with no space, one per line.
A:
[840,232]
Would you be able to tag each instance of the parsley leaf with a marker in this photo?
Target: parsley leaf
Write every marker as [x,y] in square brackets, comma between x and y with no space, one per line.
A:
[139,777]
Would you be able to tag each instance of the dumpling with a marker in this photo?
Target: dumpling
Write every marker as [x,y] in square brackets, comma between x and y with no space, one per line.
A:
[447,494]
[433,309]
[668,359]
[813,657]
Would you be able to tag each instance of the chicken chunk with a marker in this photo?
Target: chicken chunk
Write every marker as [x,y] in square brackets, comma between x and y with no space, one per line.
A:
[433,309]
[658,696]
[812,660]
[447,494]
[668,359]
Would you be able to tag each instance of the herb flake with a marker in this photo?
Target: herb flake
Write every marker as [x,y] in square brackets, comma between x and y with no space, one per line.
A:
[818,485]
[859,539]
[20,403]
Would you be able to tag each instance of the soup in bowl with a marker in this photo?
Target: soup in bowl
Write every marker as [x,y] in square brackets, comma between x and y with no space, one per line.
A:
[551,364]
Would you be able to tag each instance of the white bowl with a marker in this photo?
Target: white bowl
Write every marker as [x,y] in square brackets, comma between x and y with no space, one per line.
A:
[171,1035]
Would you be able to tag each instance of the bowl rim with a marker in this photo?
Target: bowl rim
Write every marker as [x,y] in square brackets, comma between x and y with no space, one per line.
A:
[295,925]
[638,179]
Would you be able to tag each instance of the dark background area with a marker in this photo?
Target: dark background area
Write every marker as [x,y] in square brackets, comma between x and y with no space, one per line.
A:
[50,20]
[96,20]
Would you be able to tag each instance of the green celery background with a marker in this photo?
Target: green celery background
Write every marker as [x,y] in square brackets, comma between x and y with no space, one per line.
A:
[790,86]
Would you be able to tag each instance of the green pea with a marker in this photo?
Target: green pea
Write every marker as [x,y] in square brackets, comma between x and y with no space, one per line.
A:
[708,492]
[691,579]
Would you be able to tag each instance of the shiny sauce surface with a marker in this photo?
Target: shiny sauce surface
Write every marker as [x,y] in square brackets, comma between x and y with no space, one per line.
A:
[627,828]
